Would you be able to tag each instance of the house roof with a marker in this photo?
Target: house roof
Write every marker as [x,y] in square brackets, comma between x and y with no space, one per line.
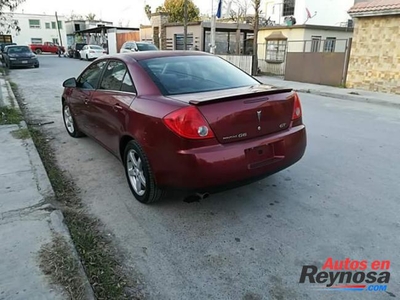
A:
[375,8]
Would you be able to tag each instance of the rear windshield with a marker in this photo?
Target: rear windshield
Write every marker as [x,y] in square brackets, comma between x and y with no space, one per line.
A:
[146,47]
[194,74]
[21,49]
[96,47]
[80,46]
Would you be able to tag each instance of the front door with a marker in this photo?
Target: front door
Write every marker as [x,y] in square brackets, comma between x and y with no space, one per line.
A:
[111,104]
[81,97]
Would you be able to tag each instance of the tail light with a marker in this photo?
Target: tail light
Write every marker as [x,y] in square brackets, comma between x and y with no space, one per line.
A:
[297,112]
[189,123]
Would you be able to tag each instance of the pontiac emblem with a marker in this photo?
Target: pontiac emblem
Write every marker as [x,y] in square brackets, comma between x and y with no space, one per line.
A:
[259,119]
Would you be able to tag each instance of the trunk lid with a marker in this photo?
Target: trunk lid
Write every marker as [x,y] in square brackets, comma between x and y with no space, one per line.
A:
[244,113]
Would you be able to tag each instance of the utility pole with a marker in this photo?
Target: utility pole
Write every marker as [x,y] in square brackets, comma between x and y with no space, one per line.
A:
[59,32]
[185,25]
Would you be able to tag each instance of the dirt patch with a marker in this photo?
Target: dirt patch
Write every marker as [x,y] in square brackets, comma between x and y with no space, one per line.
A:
[57,262]
[22,134]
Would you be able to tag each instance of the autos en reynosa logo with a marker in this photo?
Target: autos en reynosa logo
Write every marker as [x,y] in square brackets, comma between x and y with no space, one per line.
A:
[345,275]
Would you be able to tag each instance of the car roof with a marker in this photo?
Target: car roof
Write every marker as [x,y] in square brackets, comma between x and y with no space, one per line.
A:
[127,57]
[13,46]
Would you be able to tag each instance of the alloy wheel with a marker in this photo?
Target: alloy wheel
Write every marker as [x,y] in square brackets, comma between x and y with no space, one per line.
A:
[135,172]
[69,122]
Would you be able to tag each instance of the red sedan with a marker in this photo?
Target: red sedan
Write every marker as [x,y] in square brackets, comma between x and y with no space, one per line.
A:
[184,120]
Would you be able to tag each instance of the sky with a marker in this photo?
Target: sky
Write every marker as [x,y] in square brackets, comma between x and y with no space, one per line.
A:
[129,12]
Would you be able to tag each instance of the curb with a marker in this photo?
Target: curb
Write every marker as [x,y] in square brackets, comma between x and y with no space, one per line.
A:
[46,189]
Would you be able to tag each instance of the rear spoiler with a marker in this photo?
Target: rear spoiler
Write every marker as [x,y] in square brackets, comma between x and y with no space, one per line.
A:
[241,96]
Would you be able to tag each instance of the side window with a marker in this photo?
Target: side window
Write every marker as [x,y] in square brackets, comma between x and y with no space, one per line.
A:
[90,78]
[127,85]
[113,76]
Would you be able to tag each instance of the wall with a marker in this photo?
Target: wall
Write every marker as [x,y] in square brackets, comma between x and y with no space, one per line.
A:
[47,35]
[146,34]
[196,30]
[375,55]
[112,41]
[329,12]
[341,37]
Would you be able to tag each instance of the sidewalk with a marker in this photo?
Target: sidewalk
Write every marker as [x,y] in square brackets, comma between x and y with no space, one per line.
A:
[334,92]
[27,223]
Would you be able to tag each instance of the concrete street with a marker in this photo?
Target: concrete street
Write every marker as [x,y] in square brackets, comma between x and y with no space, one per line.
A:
[341,200]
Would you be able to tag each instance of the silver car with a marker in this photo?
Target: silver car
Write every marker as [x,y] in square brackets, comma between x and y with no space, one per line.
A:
[132,46]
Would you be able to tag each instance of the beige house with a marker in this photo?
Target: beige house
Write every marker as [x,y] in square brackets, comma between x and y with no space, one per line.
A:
[170,36]
[274,43]
[375,55]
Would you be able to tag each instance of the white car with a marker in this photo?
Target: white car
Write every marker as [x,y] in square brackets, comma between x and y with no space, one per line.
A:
[90,52]
[132,46]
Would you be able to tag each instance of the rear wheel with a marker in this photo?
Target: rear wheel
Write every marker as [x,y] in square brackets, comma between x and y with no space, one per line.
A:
[38,51]
[87,57]
[70,123]
[140,177]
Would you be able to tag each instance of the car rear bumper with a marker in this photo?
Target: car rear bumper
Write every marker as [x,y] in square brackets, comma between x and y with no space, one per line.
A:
[220,167]
[24,63]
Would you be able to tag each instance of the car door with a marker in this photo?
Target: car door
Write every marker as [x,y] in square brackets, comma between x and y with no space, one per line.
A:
[112,102]
[80,98]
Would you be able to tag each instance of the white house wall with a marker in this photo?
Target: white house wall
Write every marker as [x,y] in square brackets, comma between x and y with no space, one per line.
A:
[25,36]
[329,12]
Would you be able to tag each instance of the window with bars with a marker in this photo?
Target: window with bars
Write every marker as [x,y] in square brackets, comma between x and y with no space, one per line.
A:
[288,8]
[36,41]
[180,43]
[329,44]
[276,50]
[315,43]
[34,23]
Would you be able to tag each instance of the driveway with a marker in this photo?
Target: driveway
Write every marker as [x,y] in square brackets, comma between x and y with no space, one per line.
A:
[341,200]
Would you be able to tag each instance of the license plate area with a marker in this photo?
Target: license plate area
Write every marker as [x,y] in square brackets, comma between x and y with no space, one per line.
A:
[24,61]
[264,154]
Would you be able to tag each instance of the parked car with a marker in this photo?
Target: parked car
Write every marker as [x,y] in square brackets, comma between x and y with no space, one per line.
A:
[132,46]
[73,52]
[90,52]
[19,56]
[2,46]
[176,120]
[46,47]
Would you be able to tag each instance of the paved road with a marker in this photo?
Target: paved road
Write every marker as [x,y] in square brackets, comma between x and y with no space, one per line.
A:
[341,200]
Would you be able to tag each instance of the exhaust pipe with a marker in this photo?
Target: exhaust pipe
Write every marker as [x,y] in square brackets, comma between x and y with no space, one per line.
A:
[196,197]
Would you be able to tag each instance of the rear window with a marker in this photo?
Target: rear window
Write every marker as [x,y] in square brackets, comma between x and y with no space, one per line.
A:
[20,49]
[146,47]
[96,47]
[194,74]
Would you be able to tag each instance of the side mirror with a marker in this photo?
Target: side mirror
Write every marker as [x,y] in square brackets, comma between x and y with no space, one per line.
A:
[70,82]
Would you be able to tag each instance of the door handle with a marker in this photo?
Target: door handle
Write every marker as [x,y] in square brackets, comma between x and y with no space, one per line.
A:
[117,107]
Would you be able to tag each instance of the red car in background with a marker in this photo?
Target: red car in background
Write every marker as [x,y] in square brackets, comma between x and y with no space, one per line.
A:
[46,47]
[184,120]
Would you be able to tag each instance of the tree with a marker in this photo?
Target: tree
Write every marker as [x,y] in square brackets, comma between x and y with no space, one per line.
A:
[147,10]
[238,13]
[75,16]
[175,10]
[256,5]
[91,17]
[7,23]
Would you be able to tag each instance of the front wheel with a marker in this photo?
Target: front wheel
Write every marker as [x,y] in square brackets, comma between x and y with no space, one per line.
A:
[140,177]
[70,123]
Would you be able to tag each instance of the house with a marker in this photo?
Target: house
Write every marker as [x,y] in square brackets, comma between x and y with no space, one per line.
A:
[37,28]
[275,42]
[313,12]
[73,26]
[170,36]
[375,54]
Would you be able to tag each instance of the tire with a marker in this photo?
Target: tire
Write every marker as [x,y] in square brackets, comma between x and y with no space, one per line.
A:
[68,121]
[87,57]
[38,51]
[140,171]
[36,66]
